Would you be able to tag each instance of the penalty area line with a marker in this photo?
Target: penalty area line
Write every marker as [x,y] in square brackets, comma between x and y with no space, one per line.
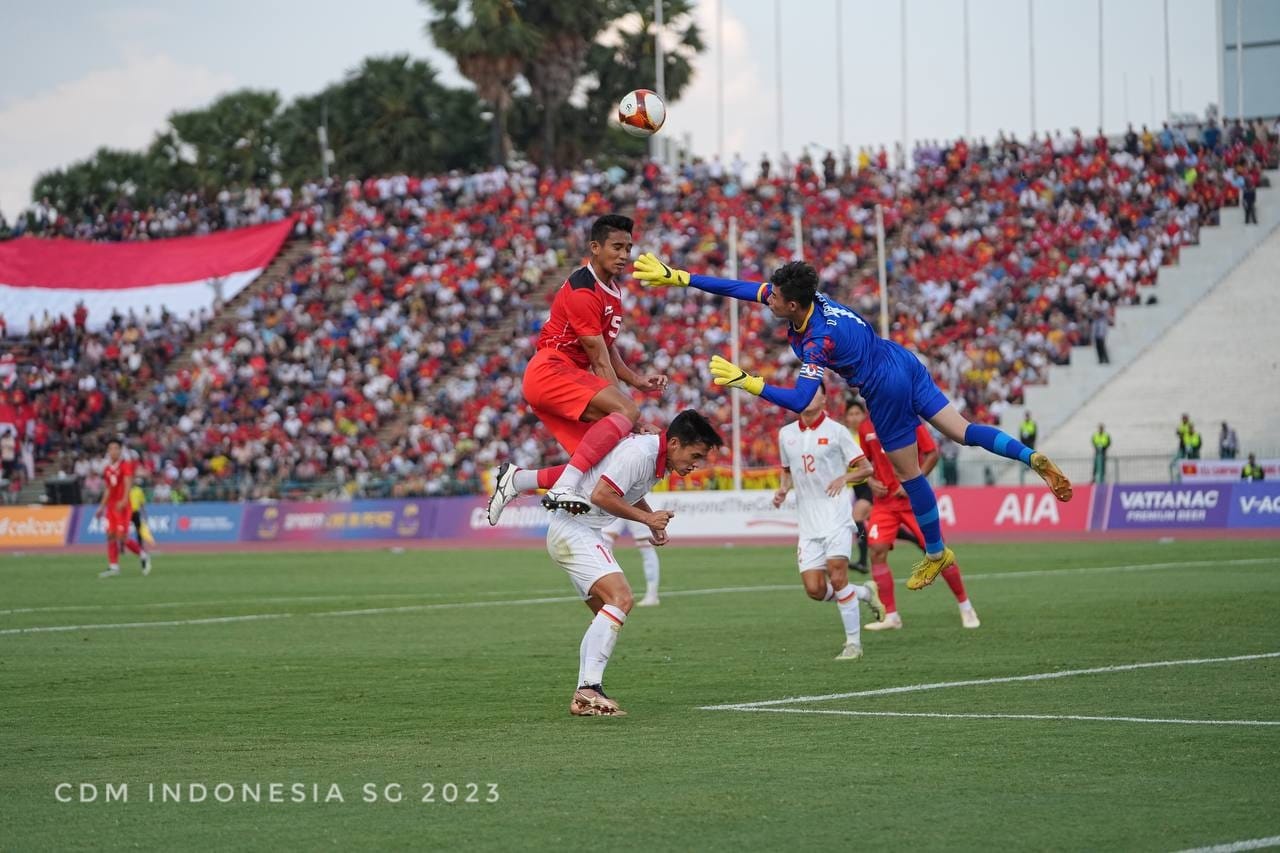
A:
[1237,846]
[1068,717]
[978,682]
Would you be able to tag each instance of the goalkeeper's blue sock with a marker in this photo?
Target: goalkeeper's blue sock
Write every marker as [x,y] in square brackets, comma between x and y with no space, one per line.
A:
[999,443]
[925,507]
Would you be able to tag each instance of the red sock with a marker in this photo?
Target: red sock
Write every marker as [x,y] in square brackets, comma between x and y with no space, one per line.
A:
[133,546]
[603,436]
[547,476]
[113,551]
[884,579]
[951,574]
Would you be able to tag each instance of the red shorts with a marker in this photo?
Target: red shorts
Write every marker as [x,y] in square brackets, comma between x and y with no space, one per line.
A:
[559,392]
[118,522]
[886,517]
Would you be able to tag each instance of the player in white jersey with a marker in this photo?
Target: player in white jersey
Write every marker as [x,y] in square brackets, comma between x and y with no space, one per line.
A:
[820,458]
[616,487]
[648,555]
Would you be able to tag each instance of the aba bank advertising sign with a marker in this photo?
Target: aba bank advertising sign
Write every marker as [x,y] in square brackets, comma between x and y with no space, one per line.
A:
[1254,505]
[34,526]
[318,521]
[1223,470]
[1157,506]
[177,523]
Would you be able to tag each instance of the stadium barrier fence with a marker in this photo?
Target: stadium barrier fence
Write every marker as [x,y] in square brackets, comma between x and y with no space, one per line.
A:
[980,512]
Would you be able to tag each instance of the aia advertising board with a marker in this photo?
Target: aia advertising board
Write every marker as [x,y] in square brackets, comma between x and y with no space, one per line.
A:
[992,512]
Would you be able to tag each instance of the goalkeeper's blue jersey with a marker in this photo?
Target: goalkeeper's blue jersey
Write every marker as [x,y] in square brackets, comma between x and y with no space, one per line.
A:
[834,337]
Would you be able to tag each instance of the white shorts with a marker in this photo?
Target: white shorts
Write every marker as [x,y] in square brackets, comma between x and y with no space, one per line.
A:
[638,530]
[581,551]
[813,553]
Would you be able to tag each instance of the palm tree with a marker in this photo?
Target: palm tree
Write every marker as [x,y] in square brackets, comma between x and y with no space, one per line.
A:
[565,31]
[490,50]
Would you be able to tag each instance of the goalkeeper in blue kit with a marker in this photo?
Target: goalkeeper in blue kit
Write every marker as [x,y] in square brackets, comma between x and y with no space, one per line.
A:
[898,389]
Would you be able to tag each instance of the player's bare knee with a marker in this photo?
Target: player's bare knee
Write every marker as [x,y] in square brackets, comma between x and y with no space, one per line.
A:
[630,410]
[623,600]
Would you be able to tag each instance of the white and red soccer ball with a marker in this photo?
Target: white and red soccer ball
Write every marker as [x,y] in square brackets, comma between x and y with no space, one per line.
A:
[641,112]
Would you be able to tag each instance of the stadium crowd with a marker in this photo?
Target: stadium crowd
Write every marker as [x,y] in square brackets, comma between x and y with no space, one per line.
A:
[388,361]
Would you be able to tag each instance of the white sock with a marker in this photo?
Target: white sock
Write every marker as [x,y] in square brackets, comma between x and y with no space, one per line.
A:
[831,593]
[649,559]
[597,644]
[850,615]
[966,605]
[525,480]
[569,479]
[115,567]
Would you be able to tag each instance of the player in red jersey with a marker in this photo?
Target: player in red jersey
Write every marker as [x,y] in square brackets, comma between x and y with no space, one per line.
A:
[572,380]
[118,477]
[890,511]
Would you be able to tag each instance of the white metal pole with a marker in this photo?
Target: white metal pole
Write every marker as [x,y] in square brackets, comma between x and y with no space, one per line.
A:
[777,64]
[720,79]
[735,354]
[1102,122]
[797,235]
[1031,59]
[884,285]
[659,67]
[839,79]
[1222,61]
[1168,74]
[968,104]
[1240,59]
[902,77]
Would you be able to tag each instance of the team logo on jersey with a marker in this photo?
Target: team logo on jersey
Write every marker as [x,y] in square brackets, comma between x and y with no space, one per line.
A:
[812,371]
[824,441]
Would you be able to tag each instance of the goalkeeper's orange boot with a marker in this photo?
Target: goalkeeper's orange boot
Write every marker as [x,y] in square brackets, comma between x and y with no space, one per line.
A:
[590,701]
[1052,476]
[926,571]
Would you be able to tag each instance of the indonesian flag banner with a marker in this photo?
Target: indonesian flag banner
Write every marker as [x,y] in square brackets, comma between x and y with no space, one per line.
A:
[181,274]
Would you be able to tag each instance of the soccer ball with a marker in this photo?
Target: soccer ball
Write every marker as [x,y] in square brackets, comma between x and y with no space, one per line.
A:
[641,112]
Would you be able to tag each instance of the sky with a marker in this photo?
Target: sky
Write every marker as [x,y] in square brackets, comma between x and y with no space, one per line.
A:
[76,75]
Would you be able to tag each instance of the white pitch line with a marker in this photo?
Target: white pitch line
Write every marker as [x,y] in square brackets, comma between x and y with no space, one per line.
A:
[281,599]
[941,716]
[168,624]
[414,608]
[977,682]
[1237,846]
[1135,567]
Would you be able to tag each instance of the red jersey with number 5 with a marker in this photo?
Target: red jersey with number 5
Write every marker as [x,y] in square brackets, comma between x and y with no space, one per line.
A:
[583,306]
[114,475]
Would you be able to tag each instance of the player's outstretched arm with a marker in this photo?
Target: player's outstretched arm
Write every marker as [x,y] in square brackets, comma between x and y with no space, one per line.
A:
[727,374]
[653,272]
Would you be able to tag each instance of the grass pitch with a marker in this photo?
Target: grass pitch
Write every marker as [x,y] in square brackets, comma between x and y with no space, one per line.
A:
[371,670]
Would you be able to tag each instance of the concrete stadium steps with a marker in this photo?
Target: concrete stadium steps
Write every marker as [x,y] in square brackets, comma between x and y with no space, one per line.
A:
[294,252]
[1065,402]
[1221,361]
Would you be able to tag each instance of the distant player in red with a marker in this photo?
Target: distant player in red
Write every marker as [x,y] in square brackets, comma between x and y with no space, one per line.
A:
[118,477]
[572,380]
[891,510]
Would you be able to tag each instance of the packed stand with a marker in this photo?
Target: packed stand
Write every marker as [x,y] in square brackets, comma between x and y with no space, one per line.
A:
[178,214]
[395,312]
[1001,256]
[61,381]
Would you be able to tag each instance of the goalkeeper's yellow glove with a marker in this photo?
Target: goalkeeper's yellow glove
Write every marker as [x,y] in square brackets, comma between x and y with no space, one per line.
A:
[725,372]
[652,272]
